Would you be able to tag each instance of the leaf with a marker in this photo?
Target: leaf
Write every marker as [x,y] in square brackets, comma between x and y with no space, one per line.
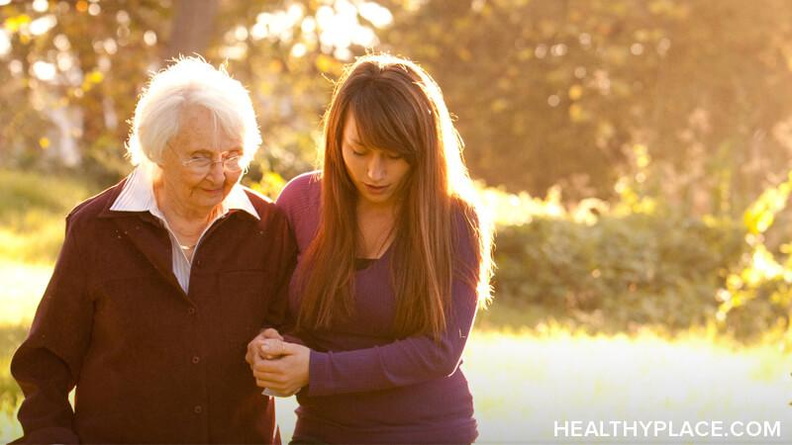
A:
[14,24]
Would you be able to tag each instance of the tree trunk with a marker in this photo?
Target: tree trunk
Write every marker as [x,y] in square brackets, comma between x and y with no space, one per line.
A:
[193,25]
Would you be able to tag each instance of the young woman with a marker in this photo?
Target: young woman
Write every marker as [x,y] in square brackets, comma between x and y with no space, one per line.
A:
[394,261]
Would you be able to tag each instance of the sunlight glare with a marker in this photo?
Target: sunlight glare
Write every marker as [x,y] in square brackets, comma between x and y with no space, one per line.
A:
[276,26]
[110,46]
[62,42]
[240,33]
[42,24]
[308,25]
[150,37]
[5,43]
[44,70]
[65,61]
[298,50]
[122,17]
[39,5]
[339,29]
[379,16]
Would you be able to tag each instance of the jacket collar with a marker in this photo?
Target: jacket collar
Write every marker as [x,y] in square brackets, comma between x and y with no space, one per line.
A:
[135,194]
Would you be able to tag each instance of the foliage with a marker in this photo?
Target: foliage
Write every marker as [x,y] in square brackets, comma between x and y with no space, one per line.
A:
[620,272]
[73,71]
[557,92]
[547,91]
[757,293]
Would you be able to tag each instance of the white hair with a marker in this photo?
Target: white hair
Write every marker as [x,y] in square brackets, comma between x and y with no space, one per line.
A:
[190,81]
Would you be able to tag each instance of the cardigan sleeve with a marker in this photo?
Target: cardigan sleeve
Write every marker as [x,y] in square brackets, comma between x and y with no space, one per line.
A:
[47,364]
[411,360]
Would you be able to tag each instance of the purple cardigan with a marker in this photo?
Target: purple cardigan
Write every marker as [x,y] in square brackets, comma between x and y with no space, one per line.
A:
[366,384]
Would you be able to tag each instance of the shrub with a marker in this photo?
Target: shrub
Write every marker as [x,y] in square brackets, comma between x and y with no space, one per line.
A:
[618,271]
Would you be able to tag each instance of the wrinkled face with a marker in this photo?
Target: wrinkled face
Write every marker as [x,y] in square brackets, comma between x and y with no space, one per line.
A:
[377,174]
[186,178]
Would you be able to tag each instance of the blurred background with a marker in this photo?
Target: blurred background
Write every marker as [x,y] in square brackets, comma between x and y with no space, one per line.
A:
[636,156]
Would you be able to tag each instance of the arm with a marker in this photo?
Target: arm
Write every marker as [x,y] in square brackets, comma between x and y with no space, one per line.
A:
[47,364]
[404,362]
[409,361]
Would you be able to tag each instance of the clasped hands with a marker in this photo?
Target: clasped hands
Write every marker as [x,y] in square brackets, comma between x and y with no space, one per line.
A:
[280,367]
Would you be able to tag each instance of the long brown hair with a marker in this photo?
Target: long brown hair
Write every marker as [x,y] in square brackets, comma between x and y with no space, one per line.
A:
[398,107]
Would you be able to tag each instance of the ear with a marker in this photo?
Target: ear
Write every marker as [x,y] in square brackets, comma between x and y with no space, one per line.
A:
[160,161]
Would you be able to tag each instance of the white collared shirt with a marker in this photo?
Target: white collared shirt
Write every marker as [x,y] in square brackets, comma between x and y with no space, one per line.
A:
[138,196]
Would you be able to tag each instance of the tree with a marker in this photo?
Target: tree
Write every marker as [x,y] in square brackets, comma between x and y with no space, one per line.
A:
[560,91]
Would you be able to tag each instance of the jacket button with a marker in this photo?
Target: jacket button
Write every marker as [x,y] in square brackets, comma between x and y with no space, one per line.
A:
[191,311]
[198,409]
[196,359]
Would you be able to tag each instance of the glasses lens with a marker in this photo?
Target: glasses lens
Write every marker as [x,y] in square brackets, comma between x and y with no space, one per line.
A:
[198,165]
[232,164]
[201,165]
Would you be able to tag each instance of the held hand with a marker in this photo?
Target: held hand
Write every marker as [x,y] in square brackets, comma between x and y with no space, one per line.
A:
[254,347]
[288,373]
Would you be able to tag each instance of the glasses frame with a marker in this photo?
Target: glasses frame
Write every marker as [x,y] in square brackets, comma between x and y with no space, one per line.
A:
[208,163]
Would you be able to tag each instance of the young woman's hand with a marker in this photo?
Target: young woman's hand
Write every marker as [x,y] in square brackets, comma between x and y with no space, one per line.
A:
[287,372]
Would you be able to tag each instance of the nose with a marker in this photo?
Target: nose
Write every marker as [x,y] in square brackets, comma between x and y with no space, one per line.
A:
[216,172]
[375,169]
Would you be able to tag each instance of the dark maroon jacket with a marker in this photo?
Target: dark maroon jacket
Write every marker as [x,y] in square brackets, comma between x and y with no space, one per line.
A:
[150,363]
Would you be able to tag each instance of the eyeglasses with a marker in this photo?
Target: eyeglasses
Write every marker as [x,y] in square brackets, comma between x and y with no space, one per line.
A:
[203,163]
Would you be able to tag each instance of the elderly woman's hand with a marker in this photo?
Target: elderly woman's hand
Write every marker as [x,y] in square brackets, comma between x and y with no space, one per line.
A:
[288,373]
[254,355]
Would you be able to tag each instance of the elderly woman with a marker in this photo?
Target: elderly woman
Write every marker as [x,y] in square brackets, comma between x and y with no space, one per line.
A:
[161,282]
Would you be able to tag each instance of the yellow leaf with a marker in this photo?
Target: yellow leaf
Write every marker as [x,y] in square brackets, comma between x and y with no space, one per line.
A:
[13,24]
[499,105]
[44,143]
[575,92]
[576,113]
[324,63]
[95,77]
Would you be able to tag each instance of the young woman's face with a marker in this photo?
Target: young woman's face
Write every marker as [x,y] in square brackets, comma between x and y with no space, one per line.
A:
[377,174]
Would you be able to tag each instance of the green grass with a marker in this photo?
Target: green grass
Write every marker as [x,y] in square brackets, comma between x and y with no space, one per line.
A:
[33,207]
[32,210]
[10,396]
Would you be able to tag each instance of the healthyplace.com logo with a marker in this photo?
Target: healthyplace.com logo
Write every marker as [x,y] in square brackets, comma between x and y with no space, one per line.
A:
[581,429]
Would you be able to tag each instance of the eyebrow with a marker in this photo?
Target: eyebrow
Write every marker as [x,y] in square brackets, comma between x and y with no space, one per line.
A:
[232,151]
[354,140]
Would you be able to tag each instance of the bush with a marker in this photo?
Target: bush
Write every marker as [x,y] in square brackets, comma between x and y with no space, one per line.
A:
[618,272]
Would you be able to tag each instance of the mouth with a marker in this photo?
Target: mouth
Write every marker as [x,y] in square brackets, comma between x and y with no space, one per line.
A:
[217,191]
[376,189]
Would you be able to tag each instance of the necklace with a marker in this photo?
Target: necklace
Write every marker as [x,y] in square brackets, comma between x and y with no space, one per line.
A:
[179,236]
